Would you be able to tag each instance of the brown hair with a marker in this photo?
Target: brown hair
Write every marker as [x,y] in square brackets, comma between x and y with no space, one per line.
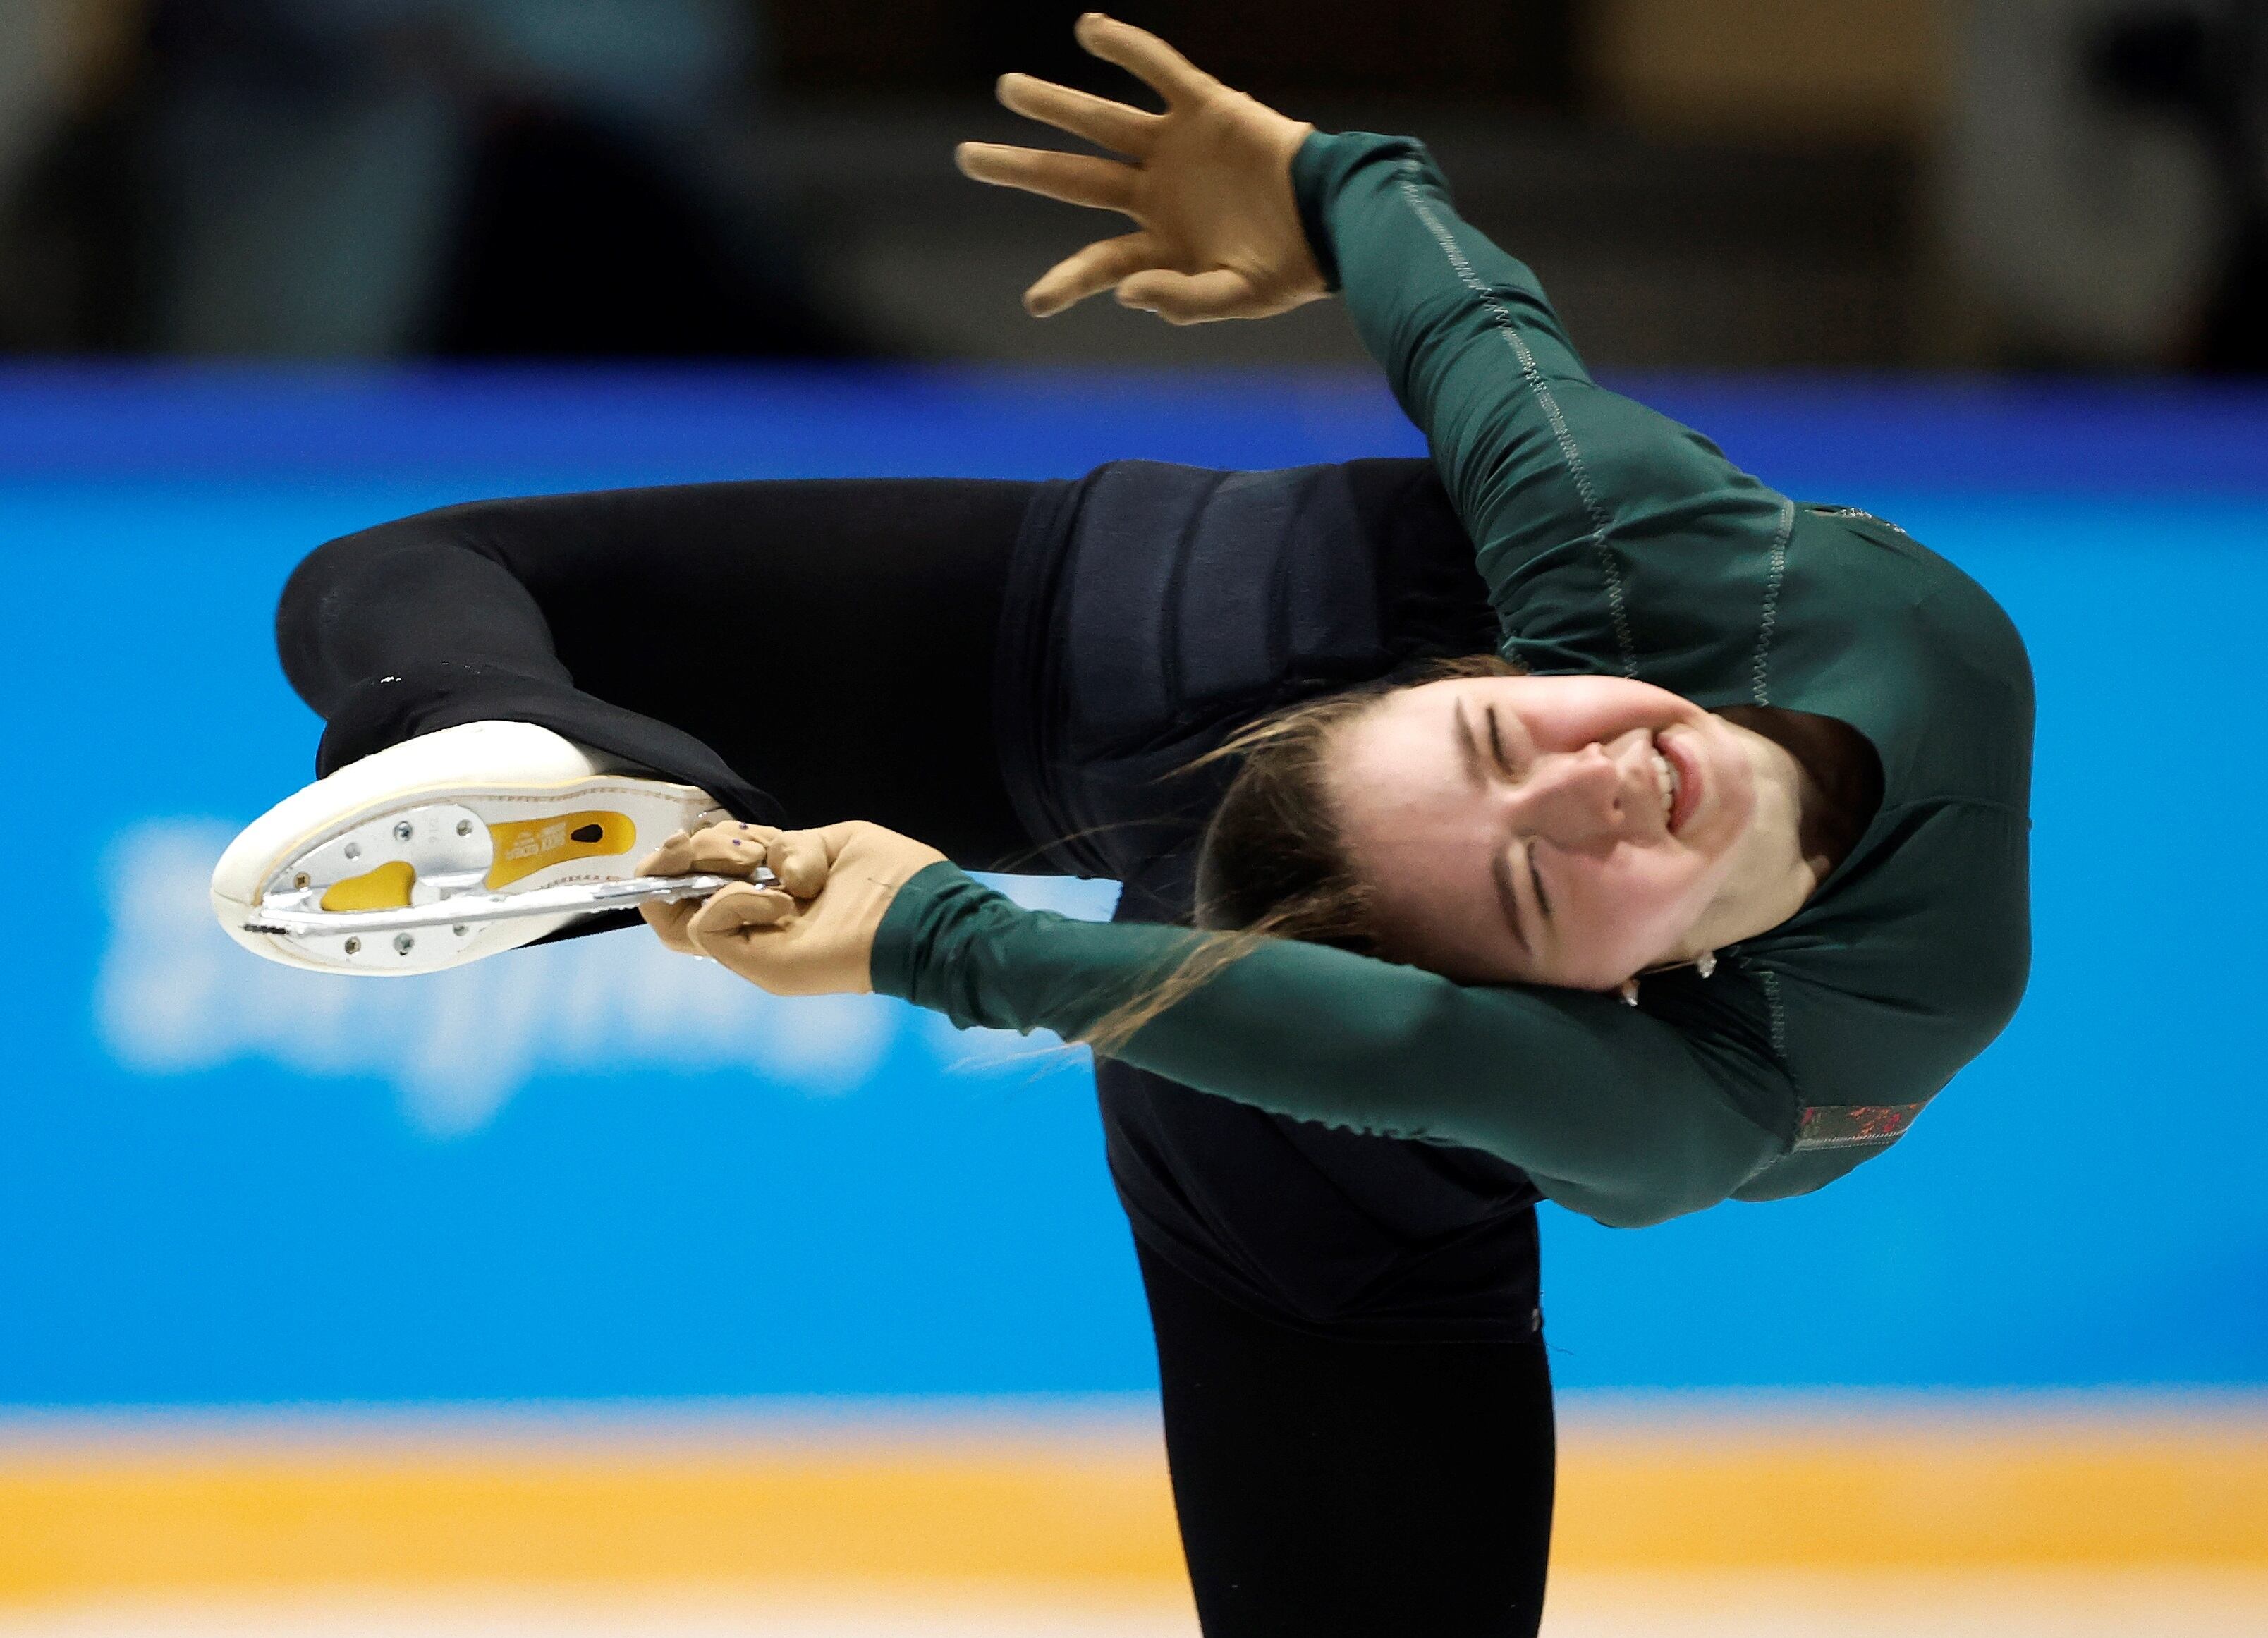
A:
[1272,863]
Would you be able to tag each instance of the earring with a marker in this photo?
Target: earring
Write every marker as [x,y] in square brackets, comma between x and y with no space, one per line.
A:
[1629,992]
[1705,963]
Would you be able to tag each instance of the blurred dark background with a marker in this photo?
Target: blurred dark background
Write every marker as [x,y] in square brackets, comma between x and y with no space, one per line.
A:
[1722,183]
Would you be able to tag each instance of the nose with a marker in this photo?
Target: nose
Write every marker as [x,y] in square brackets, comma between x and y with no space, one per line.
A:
[1588,798]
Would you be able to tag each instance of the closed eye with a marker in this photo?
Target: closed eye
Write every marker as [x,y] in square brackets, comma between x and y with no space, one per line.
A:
[1507,898]
[1528,927]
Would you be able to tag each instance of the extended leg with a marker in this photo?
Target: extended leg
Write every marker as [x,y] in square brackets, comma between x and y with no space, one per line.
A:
[1327,1486]
[804,650]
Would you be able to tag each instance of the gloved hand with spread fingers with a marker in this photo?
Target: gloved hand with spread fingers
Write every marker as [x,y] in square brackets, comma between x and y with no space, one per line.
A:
[811,934]
[1208,182]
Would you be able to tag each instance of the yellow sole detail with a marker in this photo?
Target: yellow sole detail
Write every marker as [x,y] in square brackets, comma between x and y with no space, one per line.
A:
[385,888]
[526,846]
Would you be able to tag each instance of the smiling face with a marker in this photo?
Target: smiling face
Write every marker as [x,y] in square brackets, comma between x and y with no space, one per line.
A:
[1554,830]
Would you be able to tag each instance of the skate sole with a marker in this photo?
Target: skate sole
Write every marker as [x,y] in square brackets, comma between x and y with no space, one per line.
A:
[514,822]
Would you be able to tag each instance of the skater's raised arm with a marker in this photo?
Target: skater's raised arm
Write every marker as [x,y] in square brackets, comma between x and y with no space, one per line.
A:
[1537,457]
[1242,213]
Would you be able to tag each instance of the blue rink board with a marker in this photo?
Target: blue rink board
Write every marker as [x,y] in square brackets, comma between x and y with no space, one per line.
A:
[595,1171]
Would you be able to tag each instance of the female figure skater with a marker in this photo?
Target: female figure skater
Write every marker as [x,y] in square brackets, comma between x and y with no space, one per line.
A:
[1698,883]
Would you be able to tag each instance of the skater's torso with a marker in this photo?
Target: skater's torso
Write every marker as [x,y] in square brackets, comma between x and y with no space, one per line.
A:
[1154,609]
[1161,606]
[1610,542]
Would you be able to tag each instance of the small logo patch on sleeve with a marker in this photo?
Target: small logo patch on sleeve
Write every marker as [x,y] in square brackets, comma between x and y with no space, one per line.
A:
[1854,1126]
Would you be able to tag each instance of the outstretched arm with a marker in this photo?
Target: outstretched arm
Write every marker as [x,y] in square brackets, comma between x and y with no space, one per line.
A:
[1613,1112]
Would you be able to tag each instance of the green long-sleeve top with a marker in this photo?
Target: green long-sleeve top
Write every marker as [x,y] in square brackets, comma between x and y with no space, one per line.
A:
[1613,541]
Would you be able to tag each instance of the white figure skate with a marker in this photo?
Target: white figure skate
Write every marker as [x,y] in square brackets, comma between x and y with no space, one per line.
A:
[451,847]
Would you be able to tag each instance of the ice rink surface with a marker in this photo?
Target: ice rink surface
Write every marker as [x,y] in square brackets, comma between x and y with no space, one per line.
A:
[2075,1603]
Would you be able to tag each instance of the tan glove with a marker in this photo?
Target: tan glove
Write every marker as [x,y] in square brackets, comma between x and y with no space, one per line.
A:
[813,935]
[1210,185]
[725,848]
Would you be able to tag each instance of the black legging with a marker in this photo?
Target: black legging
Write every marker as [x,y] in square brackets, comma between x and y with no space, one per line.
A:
[832,637]
[835,639]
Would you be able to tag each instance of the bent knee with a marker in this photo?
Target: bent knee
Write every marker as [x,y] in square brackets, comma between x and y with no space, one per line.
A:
[336,616]
[308,638]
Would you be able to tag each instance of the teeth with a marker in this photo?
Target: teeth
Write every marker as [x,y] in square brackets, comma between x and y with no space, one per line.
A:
[1665,775]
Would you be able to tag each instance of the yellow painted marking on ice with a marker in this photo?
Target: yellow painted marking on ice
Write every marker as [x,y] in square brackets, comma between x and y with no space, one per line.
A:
[75,1525]
[523,847]
[385,888]
[1991,1493]
[122,1512]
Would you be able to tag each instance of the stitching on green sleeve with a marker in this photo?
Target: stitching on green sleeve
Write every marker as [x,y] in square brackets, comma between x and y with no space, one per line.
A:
[1775,568]
[1569,450]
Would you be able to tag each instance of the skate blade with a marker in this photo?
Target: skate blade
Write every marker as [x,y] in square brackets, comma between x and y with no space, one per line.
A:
[347,933]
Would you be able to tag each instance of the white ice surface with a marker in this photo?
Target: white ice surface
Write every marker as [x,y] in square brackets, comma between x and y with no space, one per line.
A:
[2075,1603]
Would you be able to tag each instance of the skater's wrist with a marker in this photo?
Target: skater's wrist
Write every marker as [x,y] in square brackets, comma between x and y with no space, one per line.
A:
[916,930]
[1311,196]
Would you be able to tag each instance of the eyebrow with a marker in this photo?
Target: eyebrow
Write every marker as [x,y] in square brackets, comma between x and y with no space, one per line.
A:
[1500,865]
